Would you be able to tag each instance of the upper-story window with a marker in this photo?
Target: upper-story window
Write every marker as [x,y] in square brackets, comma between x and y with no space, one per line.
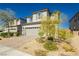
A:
[75,20]
[74,27]
[38,15]
[78,23]
[78,17]
[34,16]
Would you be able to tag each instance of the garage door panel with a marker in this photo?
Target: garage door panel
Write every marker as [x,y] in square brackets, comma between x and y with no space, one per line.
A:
[32,32]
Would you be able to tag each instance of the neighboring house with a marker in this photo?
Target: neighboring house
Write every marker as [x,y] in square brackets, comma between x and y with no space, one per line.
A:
[74,24]
[15,25]
[32,27]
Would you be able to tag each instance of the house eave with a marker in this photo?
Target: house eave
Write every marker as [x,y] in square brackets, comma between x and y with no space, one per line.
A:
[40,11]
[33,23]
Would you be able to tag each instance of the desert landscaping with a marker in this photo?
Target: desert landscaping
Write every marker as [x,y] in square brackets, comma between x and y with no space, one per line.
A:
[33,47]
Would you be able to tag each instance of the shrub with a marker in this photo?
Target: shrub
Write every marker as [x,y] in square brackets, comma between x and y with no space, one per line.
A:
[40,40]
[51,46]
[11,34]
[4,34]
[0,39]
[41,33]
[62,34]
[25,47]
[65,34]
[18,34]
[50,38]
[40,53]
[68,48]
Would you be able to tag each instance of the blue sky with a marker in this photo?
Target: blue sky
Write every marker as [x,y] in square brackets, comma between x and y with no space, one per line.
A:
[23,10]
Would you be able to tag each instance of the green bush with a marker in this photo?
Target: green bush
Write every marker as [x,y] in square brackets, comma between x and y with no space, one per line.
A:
[40,53]
[40,40]
[68,48]
[41,33]
[18,34]
[50,38]
[0,38]
[51,46]
[11,34]
[6,34]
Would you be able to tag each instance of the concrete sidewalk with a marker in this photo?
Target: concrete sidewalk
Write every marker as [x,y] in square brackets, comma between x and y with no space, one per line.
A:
[7,51]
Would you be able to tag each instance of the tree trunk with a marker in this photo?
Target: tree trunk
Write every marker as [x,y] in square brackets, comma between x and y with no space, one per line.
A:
[8,28]
[56,31]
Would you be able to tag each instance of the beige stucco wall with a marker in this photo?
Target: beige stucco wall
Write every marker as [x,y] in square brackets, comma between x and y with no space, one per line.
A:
[75,33]
[11,29]
[42,14]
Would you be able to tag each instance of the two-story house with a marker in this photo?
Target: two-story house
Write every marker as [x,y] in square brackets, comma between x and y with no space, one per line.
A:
[74,24]
[33,23]
[32,27]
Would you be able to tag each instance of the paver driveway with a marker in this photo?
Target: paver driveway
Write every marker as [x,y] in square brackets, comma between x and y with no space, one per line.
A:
[10,46]
[15,42]
[8,51]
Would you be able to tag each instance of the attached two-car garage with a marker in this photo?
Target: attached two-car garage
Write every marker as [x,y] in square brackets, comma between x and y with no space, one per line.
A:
[31,30]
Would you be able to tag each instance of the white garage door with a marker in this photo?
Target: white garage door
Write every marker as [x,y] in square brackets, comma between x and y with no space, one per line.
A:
[32,32]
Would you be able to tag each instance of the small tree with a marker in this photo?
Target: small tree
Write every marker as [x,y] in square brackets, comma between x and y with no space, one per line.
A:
[48,24]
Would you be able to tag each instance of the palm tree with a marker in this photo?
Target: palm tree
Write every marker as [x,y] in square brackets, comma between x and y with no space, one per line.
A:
[7,15]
